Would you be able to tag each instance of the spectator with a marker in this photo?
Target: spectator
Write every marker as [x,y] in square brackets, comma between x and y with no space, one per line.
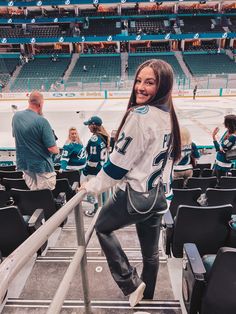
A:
[189,153]
[142,141]
[84,68]
[35,144]
[97,152]
[227,142]
[73,155]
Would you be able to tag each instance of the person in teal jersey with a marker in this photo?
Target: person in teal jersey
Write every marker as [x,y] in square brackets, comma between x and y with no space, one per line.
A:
[97,153]
[189,153]
[73,155]
[227,142]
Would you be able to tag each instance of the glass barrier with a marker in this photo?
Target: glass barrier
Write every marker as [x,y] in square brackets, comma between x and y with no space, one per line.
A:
[101,83]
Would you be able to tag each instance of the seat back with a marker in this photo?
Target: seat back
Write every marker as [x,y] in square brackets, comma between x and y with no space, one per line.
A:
[206,172]
[72,176]
[177,183]
[202,183]
[202,166]
[184,197]
[221,196]
[233,172]
[219,296]
[10,174]
[62,185]
[8,168]
[4,198]
[207,227]
[196,172]
[11,183]
[227,182]
[13,229]
[28,201]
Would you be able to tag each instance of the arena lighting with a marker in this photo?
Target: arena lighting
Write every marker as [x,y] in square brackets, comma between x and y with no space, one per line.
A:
[67,2]
[39,3]
[10,3]
[202,2]
[9,21]
[55,20]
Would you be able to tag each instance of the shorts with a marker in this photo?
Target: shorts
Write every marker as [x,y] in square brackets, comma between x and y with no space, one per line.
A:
[38,181]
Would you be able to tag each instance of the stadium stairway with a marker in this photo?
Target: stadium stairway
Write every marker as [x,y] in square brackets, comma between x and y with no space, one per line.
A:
[48,270]
[74,58]
[186,71]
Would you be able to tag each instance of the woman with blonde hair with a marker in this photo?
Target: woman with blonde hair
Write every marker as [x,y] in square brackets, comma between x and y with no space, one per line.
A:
[189,153]
[73,155]
[97,152]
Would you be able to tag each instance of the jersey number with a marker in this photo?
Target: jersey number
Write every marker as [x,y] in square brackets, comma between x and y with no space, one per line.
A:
[157,161]
[127,140]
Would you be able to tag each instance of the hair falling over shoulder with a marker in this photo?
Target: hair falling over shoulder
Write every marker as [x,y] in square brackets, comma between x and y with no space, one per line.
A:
[164,80]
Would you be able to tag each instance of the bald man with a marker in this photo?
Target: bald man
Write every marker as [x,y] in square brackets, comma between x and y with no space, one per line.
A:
[35,144]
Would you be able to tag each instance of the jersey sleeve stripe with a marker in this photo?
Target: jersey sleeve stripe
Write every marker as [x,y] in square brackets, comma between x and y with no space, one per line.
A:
[114,171]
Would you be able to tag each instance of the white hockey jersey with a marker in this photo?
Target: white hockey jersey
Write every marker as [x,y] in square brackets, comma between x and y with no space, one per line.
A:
[139,153]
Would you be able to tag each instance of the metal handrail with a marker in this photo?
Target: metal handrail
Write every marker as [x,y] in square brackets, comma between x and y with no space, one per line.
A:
[18,258]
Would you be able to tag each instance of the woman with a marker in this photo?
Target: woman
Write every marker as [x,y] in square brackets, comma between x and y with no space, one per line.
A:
[227,142]
[73,155]
[189,153]
[141,146]
[97,152]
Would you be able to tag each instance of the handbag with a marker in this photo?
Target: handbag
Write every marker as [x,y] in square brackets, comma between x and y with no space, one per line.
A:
[146,202]
[231,154]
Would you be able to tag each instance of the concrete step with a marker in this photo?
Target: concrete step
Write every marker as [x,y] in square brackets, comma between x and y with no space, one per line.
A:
[46,276]
[96,252]
[15,306]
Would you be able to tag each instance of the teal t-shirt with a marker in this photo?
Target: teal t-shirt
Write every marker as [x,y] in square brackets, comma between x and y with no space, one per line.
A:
[33,136]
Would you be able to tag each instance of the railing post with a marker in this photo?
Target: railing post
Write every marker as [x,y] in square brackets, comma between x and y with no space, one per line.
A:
[79,222]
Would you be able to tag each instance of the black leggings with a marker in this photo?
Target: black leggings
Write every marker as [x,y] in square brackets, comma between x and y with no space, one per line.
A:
[114,216]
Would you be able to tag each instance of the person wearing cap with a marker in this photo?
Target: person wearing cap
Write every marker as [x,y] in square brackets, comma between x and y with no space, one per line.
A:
[97,152]
[35,145]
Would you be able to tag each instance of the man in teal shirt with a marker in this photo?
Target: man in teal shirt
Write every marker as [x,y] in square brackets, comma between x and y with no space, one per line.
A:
[35,144]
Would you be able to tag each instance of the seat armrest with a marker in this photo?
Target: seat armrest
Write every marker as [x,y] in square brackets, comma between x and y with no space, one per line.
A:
[36,220]
[168,220]
[75,186]
[192,255]
[60,200]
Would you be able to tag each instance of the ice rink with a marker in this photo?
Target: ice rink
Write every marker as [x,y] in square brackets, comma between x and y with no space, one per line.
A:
[200,116]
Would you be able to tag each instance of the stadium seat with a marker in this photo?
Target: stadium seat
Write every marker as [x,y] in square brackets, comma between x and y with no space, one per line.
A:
[11,183]
[216,197]
[233,172]
[206,172]
[14,230]
[72,176]
[227,182]
[5,198]
[207,227]
[196,172]
[208,283]
[203,166]
[28,201]
[202,183]
[10,174]
[63,185]
[8,168]
[177,183]
[184,197]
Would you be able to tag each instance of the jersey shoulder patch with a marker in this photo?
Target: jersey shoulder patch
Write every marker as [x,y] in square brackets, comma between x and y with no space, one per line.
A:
[94,138]
[142,109]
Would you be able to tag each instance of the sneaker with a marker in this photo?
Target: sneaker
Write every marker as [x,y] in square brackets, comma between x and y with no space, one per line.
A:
[136,296]
[91,212]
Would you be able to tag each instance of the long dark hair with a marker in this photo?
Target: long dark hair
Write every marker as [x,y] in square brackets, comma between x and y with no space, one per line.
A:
[230,123]
[164,80]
